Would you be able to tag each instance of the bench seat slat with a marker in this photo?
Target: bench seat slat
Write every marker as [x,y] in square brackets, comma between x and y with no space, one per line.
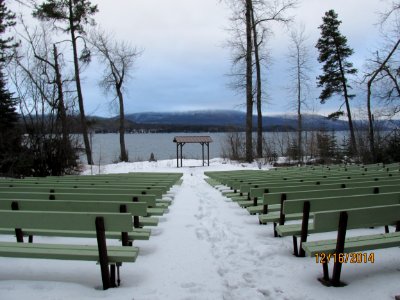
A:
[121,222]
[255,209]
[275,216]
[136,234]
[148,221]
[156,211]
[354,244]
[66,252]
[292,229]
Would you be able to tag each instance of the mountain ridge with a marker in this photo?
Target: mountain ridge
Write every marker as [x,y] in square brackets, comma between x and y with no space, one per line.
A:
[235,119]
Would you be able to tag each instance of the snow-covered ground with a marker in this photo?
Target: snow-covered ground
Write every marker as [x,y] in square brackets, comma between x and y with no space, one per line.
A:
[206,247]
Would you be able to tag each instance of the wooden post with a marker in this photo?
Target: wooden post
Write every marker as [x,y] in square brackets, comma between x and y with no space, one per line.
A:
[124,235]
[255,200]
[103,257]
[18,231]
[304,227]
[282,215]
[181,155]
[112,276]
[177,155]
[202,152]
[136,222]
[341,237]
[208,153]
[325,270]
[265,206]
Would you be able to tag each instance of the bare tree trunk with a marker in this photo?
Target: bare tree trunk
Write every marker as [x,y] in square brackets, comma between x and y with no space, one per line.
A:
[61,106]
[346,99]
[371,133]
[79,89]
[124,154]
[259,91]
[299,117]
[249,84]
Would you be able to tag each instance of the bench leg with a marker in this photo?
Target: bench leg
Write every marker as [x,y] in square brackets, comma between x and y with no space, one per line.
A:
[30,239]
[275,232]
[103,258]
[265,209]
[136,222]
[255,201]
[118,277]
[304,227]
[325,280]
[325,268]
[112,276]
[337,267]
[295,249]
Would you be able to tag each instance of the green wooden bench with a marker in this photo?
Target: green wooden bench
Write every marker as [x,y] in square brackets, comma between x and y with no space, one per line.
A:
[82,185]
[252,191]
[316,205]
[98,190]
[242,181]
[226,177]
[292,212]
[136,209]
[342,249]
[109,257]
[273,198]
[154,208]
[257,190]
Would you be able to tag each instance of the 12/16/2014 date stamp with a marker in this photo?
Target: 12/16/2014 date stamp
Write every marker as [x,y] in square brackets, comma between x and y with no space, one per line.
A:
[343,258]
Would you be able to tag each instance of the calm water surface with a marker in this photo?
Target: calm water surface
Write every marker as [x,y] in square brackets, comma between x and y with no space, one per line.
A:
[139,146]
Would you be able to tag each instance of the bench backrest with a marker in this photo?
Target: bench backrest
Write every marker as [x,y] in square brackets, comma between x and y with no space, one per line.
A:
[342,202]
[321,191]
[358,218]
[310,178]
[79,185]
[149,199]
[134,208]
[245,184]
[97,190]
[120,222]
[274,188]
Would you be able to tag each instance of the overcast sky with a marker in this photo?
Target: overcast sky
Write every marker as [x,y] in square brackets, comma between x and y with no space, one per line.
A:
[184,63]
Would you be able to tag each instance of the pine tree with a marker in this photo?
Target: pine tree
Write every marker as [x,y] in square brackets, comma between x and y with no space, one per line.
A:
[334,54]
[9,138]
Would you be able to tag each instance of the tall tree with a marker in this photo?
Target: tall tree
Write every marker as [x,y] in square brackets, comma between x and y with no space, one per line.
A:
[75,14]
[383,70]
[262,13]
[334,53]
[250,19]
[380,72]
[119,58]
[299,60]
[9,138]
[249,82]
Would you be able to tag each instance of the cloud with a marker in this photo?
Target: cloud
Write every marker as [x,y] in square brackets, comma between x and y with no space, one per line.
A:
[183,65]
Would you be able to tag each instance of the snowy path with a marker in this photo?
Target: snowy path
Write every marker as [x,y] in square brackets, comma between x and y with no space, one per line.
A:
[214,249]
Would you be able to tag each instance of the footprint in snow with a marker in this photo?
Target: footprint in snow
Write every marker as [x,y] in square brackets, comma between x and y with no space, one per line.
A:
[202,233]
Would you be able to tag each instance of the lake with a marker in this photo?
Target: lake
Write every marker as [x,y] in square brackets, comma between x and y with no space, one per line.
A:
[139,146]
